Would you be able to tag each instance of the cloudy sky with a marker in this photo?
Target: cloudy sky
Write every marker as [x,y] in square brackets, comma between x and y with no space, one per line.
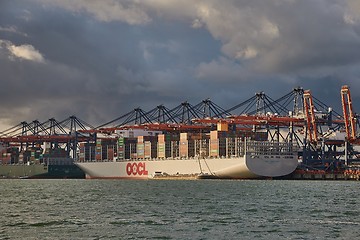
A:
[100,59]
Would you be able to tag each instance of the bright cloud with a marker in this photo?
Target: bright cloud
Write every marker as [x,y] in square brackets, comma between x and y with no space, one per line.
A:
[27,52]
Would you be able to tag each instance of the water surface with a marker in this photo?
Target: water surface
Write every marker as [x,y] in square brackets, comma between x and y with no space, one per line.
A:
[179,209]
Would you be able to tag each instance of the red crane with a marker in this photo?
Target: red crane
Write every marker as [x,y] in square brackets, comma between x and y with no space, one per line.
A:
[310,116]
[349,119]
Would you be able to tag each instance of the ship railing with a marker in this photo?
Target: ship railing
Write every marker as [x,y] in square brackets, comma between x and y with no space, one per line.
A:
[270,148]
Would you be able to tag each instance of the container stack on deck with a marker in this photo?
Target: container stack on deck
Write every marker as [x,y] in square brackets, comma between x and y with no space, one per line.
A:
[9,155]
[186,145]
[121,149]
[108,149]
[126,148]
[32,155]
[164,146]
[101,150]
[218,143]
[111,151]
[201,141]
[55,152]
[98,150]
[146,147]
[87,152]
[167,145]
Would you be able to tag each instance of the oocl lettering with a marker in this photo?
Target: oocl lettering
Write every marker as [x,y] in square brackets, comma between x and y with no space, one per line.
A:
[136,169]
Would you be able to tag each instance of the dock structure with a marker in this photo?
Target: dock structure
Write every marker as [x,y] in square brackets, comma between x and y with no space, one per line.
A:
[326,141]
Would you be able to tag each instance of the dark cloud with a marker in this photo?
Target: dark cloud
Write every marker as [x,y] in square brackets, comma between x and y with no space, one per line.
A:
[100,59]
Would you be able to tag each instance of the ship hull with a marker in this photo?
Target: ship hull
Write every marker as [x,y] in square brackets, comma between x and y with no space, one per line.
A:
[41,171]
[247,167]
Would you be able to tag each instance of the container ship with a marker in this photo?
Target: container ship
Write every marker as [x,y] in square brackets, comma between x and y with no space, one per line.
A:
[215,154]
[34,162]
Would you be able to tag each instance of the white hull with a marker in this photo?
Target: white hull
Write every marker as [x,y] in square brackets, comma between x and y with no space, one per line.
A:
[250,166]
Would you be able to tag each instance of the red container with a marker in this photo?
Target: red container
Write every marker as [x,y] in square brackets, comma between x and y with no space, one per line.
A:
[110,154]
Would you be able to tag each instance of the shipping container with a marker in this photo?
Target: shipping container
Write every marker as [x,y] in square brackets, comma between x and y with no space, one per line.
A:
[140,154]
[161,150]
[142,139]
[187,148]
[126,148]
[218,147]
[221,126]
[218,134]
[89,152]
[201,147]
[168,137]
[110,152]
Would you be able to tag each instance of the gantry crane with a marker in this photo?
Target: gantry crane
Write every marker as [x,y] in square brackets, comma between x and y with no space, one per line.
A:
[349,117]
[310,117]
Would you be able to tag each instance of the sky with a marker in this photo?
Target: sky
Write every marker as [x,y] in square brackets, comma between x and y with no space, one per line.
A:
[99,59]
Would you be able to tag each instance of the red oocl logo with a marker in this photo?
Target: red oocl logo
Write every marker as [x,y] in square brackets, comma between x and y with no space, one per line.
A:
[136,169]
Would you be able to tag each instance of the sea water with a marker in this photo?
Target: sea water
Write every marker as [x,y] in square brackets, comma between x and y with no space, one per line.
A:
[179,209]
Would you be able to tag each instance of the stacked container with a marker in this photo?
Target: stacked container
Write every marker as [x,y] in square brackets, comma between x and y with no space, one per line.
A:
[121,148]
[32,155]
[175,148]
[82,152]
[98,150]
[151,149]
[165,146]
[222,126]
[231,142]
[187,146]
[146,147]
[5,157]
[126,148]
[110,152]
[104,148]
[161,147]
[256,136]
[107,149]
[140,154]
[57,152]
[89,151]
[21,157]
[218,143]
[202,145]
[15,155]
